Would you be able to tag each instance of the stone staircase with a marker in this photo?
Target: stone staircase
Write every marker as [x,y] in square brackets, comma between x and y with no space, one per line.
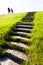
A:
[21,39]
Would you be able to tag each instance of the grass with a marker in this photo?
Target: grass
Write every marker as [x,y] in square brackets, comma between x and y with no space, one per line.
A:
[6,23]
[2,54]
[36,49]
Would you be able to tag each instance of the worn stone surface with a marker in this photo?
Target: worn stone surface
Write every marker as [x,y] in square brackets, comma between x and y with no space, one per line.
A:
[7,61]
[19,44]
[18,54]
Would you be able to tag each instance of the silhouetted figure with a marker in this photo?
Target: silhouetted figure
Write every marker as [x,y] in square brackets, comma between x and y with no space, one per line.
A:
[8,10]
[11,10]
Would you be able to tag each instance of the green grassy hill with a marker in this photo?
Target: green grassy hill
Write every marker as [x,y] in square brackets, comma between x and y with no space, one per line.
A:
[36,48]
[6,23]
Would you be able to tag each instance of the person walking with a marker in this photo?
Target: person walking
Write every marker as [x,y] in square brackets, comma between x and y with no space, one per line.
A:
[8,10]
[11,10]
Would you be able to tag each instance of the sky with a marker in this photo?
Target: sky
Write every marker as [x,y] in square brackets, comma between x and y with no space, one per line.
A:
[21,5]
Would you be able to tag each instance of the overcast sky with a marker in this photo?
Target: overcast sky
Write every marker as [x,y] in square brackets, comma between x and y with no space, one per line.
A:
[21,5]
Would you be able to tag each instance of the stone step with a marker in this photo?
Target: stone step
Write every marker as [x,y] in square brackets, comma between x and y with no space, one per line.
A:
[32,17]
[23,30]
[17,30]
[25,23]
[17,46]
[27,20]
[19,37]
[17,54]
[22,34]
[24,40]
[24,26]
[7,61]
[30,14]
[20,44]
